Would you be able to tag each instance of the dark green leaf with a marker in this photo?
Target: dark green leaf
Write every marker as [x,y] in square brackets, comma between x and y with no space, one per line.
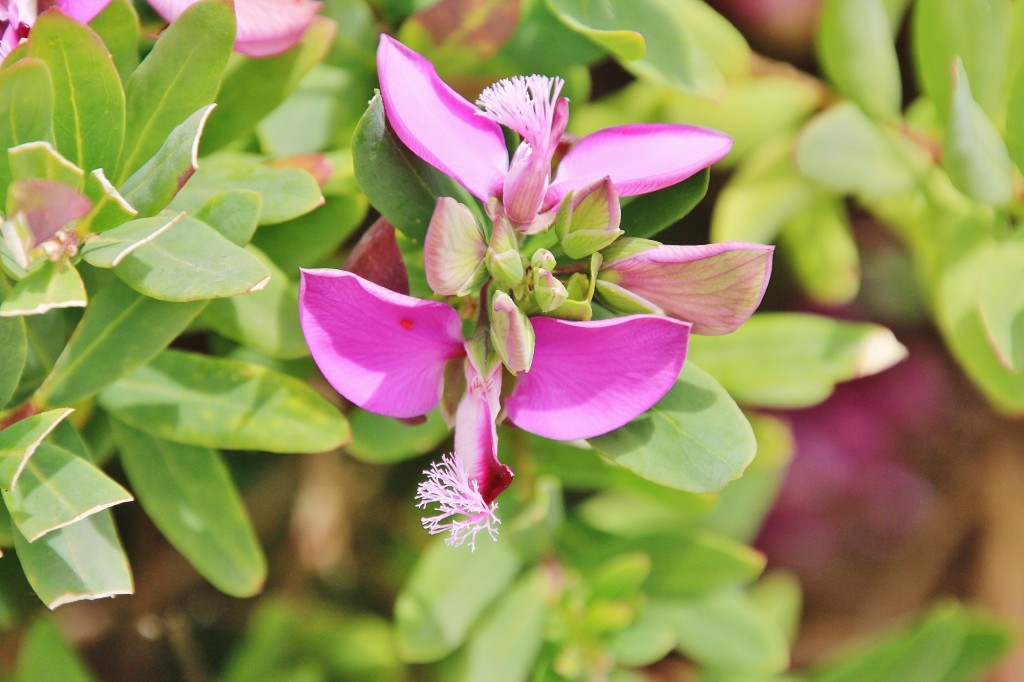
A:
[223,403]
[694,439]
[89,105]
[649,214]
[26,95]
[309,239]
[188,493]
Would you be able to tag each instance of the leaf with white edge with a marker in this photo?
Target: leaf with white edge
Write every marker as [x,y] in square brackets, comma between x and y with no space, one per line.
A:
[191,262]
[47,286]
[12,359]
[26,97]
[266,320]
[794,360]
[974,154]
[695,438]
[156,182]
[41,160]
[855,45]
[224,403]
[82,561]
[109,208]
[58,488]
[89,104]
[287,192]
[120,330]
[45,656]
[19,441]
[108,249]
[188,493]
[1001,304]
[179,76]
[449,589]
[822,252]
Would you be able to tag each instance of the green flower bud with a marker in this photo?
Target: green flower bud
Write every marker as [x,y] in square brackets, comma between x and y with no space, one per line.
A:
[511,333]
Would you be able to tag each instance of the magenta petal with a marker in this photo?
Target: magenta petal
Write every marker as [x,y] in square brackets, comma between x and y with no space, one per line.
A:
[437,124]
[383,351]
[639,158]
[589,378]
[82,11]
[717,287]
[476,437]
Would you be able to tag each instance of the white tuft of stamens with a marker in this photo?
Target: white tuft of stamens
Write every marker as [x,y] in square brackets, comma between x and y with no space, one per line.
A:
[526,104]
[461,509]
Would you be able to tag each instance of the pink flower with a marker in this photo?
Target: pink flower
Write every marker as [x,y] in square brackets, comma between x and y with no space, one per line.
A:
[388,353]
[18,16]
[466,142]
[264,27]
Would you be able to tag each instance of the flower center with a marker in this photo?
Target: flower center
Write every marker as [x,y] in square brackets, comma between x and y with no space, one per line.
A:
[461,510]
[526,104]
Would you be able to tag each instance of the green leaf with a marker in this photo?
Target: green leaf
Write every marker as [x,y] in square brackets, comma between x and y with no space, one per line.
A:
[694,439]
[152,186]
[977,31]
[257,86]
[81,561]
[974,154]
[26,94]
[12,360]
[287,192]
[89,105]
[398,184]
[107,249]
[266,320]
[47,286]
[503,646]
[188,493]
[855,45]
[450,588]
[382,440]
[724,630]
[109,208]
[845,151]
[181,75]
[1015,118]
[314,237]
[118,27]
[235,214]
[41,160]
[820,247]
[223,403]
[701,563]
[57,489]
[20,440]
[44,656]
[1001,304]
[121,329]
[648,214]
[794,360]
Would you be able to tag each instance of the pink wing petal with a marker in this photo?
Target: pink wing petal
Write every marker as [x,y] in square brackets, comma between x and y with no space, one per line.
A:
[639,158]
[589,378]
[476,438]
[82,11]
[437,124]
[716,286]
[383,351]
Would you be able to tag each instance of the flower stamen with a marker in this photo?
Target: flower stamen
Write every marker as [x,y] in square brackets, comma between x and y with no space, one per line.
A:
[461,509]
[526,104]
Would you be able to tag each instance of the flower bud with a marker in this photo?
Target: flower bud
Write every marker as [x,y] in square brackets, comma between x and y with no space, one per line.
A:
[503,258]
[511,333]
[454,250]
[548,290]
[542,258]
[591,221]
[526,184]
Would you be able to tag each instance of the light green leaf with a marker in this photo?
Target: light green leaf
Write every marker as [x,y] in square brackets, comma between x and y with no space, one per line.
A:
[256,87]
[89,105]
[118,27]
[1001,304]
[26,94]
[855,45]
[188,493]
[398,184]
[310,239]
[287,192]
[504,645]
[450,588]
[12,360]
[47,286]
[109,248]
[109,208]
[81,561]
[382,440]
[793,360]
[266,320]
[695,438]
[57,489]
[820,248]
[41,160]
[121,329]
[843,150]
[156,182]
[1015,117]
[20,440]
[234,213]
[190,261]
[179,76]
[223,403]
[44,656]
[974,154]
